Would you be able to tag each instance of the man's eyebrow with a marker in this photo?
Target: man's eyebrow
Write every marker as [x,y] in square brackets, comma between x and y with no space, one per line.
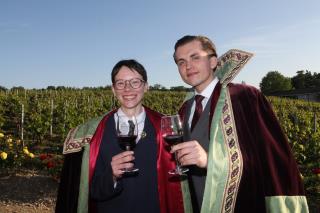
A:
[194,54]
[180,59]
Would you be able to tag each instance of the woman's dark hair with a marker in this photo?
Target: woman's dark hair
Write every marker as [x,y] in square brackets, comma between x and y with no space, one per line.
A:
[132,65]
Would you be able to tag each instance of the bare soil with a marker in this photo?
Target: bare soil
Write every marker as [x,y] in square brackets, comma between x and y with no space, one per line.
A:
[27,191]
[30,191]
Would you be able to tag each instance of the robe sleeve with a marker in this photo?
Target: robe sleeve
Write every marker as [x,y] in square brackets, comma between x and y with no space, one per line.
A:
[102,186]
[282,182]
[67,200]
[170,192]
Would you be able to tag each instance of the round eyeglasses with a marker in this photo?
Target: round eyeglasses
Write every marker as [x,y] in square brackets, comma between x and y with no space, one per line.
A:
[134,83]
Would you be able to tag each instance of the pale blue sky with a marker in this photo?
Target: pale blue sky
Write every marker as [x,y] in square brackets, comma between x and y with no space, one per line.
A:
[76,42]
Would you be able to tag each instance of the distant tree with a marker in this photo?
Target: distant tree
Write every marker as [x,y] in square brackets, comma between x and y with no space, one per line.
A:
[51,87]
[88,88]
[107,87]
[2,88]
[20,88]
[309,80]
[275,82]
[61,88]
[157,87]
[305,79]
[299,81]
[317,80]
[179,88]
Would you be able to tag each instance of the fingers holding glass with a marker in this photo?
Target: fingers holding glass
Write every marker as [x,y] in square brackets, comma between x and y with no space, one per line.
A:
[171,130]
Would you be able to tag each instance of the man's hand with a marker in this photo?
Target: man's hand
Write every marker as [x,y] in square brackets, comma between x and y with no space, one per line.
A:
[191,153]
[121,161]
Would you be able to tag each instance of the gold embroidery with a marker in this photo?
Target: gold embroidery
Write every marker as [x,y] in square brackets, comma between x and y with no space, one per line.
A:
[235,156]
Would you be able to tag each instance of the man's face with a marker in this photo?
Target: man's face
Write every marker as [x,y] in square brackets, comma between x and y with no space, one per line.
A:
[195,66]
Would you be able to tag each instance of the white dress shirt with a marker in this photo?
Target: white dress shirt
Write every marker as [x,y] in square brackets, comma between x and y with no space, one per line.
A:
[139,120]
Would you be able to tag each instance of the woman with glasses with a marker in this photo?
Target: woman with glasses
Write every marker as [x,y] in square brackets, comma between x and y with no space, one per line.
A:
[148,189]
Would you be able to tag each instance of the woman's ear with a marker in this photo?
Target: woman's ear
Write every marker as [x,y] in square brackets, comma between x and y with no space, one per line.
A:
[113,99]
[146,87]
[112,88]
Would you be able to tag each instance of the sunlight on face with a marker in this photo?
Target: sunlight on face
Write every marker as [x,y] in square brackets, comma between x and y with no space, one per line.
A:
[195,66]
[129,98]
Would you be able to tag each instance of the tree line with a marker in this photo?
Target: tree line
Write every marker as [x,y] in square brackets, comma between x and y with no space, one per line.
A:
[155,87]
[274,81]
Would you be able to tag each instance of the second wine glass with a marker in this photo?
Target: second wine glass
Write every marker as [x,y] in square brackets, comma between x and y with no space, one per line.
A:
[171,130]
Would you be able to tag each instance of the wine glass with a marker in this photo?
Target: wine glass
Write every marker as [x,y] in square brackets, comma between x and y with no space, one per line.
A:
[171,130]
[127,133]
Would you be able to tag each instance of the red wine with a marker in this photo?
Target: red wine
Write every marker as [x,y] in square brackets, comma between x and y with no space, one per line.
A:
[127,142]
[173,139]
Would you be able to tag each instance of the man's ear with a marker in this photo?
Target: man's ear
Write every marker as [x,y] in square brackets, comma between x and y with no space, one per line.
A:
[213,62]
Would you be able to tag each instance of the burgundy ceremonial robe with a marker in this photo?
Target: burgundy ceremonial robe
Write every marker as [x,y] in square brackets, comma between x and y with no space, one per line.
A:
[170,195]
[269,168]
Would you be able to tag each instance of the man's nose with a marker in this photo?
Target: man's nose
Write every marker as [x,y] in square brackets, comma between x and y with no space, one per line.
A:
[188,64]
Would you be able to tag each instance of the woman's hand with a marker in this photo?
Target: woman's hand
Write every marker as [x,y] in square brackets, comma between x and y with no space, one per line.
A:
[120,162]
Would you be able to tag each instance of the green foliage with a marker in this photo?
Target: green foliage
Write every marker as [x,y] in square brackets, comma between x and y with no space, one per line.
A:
[157,87]
[275,82]
[300,121]
[66,108]
[305,80]
[52,163]
[13,154]
[179,88]
[3,89]
[10,114]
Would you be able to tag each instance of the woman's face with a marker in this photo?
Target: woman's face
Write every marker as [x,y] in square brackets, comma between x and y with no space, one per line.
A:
[130,98]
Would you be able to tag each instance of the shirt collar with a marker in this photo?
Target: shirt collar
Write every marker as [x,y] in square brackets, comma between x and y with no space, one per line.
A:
[140,118]
[209,89]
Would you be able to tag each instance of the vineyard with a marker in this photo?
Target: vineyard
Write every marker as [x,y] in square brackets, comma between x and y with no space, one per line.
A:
[34,123]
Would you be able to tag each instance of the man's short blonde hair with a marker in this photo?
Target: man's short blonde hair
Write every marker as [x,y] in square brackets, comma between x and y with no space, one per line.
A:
[206,43]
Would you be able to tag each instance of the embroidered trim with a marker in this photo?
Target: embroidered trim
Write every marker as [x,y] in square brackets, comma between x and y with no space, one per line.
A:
[235,157]
[72,145]
[239,57]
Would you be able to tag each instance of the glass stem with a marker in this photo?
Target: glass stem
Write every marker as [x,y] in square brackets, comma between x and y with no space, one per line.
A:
[177,160]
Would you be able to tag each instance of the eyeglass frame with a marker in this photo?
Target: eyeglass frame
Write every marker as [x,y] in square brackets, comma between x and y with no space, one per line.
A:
[129,82]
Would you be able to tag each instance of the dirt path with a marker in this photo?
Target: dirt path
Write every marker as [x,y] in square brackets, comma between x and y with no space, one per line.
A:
[27,191]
